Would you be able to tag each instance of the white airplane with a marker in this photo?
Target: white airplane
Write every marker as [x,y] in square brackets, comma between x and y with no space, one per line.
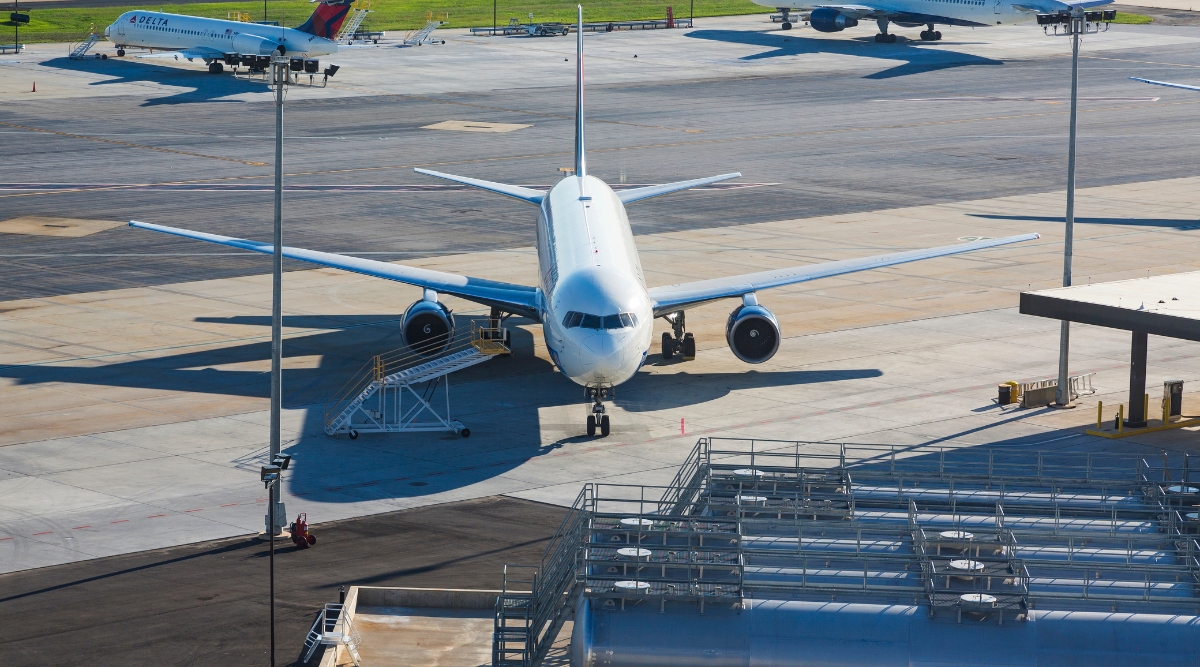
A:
[596,312]
[1168,84]
[831,17]
[212,40]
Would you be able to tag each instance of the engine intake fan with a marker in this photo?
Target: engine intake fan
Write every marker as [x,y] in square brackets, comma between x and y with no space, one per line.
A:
[752,332]
[428,326]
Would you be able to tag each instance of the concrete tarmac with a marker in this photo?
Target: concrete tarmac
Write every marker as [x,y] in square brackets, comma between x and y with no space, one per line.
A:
[132,405]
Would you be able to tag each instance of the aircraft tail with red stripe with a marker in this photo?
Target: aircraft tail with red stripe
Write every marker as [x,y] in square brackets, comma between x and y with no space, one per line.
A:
[327,19]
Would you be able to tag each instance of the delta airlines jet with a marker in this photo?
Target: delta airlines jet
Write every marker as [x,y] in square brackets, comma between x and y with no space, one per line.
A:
[211,39]
[596,312]
[830,17]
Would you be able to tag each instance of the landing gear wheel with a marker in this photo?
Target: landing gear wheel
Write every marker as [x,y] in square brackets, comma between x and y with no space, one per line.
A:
[466,433]
[215,68]
[937,35]
[353,434]
[591,425]
[688,345]
[120,53]
[927,36]
[604,426]
[103,56]
[668,346]
[786,25]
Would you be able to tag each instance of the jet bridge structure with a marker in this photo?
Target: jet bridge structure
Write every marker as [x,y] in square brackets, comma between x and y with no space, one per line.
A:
[804,554]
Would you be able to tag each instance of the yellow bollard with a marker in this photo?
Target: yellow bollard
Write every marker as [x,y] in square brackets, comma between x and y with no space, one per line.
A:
[1099,415]
[1166,405]
[1120,418]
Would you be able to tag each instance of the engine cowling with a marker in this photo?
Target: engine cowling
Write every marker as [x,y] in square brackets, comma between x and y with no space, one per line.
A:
[752,333]
[244,43]
[828,19]
[427,327]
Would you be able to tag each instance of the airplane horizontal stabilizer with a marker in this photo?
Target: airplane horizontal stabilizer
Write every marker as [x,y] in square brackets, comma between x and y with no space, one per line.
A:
[638,194]
[672,298]
[515,191]
[1166,83]
[518,299]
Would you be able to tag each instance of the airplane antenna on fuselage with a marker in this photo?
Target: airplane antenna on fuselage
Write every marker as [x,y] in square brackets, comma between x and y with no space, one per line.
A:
[580,159]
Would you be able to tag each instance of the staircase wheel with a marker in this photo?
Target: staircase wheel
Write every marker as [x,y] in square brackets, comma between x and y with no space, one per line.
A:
[353,434]
[312,539]
[466,433]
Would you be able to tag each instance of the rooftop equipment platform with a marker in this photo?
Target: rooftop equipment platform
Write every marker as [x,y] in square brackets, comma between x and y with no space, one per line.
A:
[812,553]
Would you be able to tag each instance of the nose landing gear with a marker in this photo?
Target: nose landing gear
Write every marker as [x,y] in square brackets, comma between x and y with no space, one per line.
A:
[598,418]
[681,342]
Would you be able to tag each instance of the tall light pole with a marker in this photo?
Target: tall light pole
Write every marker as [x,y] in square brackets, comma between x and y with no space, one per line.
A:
[279,72]
[1062,396]
[270,475]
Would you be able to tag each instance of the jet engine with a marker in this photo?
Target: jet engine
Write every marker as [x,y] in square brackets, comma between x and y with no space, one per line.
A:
[752,332]
[428,327]
[828,19]
[244,43]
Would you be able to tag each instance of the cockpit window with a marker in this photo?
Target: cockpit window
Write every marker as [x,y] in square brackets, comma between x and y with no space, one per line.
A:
[619,321]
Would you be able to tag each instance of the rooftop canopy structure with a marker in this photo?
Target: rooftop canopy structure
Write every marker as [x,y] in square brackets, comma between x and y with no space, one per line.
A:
[1162,305]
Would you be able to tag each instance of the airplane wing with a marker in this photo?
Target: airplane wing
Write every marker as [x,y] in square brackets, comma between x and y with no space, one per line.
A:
[638,194]
[528,195]
[508,297]
[1166,83]
[189,53]
[673,298]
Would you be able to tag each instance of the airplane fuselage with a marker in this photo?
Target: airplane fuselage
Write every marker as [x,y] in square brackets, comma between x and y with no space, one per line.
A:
[176,32]
[954,12]
[597,317]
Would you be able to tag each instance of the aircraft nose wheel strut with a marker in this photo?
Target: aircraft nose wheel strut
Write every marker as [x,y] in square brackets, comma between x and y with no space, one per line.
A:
[598,418]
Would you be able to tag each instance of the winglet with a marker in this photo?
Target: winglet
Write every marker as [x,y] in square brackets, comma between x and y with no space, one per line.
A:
[580,158]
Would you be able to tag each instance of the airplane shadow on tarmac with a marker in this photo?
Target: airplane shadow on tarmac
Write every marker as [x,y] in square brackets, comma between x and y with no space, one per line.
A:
[916,59]
[201,86]
[382,466]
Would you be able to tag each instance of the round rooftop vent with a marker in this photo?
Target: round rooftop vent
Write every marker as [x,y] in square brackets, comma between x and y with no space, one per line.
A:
[977,601]
[748,472]
[966,565]
[632,585]
[633,552]
[751,500]
[634,522]
[956,535]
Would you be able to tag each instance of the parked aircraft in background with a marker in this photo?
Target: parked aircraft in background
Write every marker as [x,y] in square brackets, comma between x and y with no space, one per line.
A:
[830,17]
[596,312]
[213,39]
[1166,83]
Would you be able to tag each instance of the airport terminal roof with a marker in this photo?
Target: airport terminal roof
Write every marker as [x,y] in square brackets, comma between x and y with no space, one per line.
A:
[1166,305]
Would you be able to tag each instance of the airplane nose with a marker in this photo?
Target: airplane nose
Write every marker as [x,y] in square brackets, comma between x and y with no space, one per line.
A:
[608,354]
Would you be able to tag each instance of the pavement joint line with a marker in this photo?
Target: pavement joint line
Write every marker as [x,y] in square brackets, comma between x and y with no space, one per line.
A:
[133,145]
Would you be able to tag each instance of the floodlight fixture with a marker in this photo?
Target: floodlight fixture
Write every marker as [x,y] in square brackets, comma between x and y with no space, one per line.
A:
[282,460]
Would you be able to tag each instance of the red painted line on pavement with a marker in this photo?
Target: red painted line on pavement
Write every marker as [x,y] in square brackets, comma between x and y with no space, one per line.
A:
[45,533]
[5,538]
[195,510]
[228,505]
[155,516]
[121,521]
[80,527]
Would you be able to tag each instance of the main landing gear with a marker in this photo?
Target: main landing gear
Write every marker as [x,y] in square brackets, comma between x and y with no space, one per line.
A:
[883,35]
[683,343]
[216,68]
[598,418]
[931,35]
[787,17]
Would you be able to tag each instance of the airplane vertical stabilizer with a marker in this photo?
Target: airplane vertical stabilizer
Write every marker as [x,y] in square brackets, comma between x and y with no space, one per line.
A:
[580,157]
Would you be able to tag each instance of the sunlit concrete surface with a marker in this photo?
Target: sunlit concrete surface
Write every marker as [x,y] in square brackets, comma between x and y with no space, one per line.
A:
[716,48]
[134,418]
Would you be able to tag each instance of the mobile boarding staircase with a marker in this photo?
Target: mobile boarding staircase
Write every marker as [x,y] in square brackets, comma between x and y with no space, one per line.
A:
[78,51]
[422,36]
[332,627]
[358,13]
[395,391]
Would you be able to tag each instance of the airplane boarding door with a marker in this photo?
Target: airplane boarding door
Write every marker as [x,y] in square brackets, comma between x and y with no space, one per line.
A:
[998,5]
